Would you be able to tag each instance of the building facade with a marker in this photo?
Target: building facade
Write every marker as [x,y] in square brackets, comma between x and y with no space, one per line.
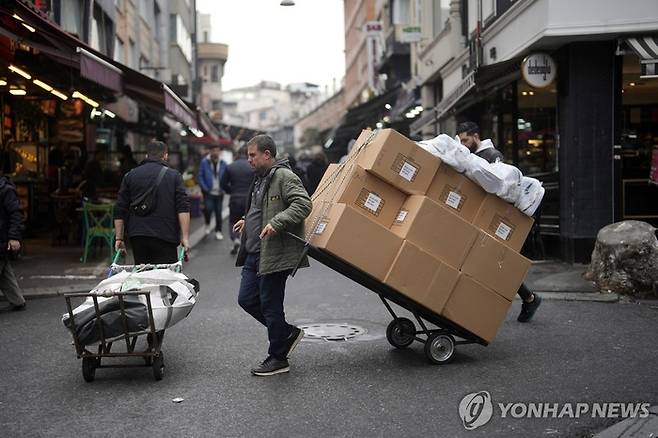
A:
[212,57]
[566,90]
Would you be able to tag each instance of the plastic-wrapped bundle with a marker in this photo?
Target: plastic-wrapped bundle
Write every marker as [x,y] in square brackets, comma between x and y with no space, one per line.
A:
[505,181]
[172,296]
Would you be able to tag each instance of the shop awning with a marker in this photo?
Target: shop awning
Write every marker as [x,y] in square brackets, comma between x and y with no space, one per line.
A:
[96,69]
[207,126]
[51,39]
[177,108]
[647,49]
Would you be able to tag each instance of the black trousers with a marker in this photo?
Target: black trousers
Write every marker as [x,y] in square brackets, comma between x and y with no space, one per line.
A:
[151,250]
[524,292]
[236,210]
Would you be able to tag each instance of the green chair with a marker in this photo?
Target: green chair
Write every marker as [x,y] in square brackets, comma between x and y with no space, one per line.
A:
[98,223]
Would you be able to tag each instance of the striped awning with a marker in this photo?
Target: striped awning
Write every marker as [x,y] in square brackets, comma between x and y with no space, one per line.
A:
[647,49]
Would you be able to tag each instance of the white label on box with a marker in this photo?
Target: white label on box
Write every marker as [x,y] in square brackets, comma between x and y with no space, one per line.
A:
[503,231]
[319,229]
[453,200]
[402,215]
[408,171]
[372,202]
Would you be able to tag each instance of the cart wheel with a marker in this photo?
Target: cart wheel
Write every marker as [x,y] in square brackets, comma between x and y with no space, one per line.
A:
[158,366]
[401,332]
[89,368]
[439,348]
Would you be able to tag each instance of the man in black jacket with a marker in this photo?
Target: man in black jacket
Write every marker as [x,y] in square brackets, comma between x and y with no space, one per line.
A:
[236,182]
[469,135]
[11,229]
[155,236]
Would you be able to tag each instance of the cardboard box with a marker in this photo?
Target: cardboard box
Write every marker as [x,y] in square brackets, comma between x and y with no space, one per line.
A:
[476,308]
[359,144]
[421,277]
[401,162]
[455,191]
[354,186]
[503,221]
[496,265]
[435,229]
[351,236]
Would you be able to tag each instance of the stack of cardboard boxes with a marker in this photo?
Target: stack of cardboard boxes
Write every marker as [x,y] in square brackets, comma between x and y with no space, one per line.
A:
[398,213]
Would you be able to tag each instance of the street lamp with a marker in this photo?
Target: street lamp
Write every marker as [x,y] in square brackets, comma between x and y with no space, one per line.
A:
[287,3]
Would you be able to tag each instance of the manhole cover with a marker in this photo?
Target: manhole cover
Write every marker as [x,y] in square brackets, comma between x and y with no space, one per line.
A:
[332,332]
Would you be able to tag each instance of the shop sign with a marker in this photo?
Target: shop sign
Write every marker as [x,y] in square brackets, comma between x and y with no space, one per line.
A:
[410,34]
[374,28]
[539,70]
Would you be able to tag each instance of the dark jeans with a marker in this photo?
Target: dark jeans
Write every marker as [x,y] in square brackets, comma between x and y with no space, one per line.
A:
[261,296]
[8,283]
[153,250]
[236,210]
[524,292]
[213,204]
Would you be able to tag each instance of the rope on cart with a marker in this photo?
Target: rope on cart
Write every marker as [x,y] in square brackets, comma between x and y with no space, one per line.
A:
[331,182]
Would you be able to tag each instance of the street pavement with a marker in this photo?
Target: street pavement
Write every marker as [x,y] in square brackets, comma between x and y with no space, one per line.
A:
[579,352]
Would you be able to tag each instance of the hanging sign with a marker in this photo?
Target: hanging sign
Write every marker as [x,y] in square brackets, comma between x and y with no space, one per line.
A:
[539,70]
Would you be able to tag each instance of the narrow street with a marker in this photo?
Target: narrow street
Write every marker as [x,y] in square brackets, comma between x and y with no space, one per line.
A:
[571,352]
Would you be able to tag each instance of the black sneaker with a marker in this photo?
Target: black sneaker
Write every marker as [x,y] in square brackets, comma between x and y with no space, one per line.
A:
[18,307]
[528,309]
[293,339]
[234,250]
[271,366]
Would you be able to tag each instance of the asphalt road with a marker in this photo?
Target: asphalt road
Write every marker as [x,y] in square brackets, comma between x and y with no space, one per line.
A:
[572,352]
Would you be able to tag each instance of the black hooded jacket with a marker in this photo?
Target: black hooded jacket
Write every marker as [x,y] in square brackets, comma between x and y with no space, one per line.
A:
[11,215]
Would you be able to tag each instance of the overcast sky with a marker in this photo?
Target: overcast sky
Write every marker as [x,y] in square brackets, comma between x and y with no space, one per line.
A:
[301,43]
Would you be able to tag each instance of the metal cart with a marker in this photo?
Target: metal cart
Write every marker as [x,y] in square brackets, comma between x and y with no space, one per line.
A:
[440,343]
[152,357]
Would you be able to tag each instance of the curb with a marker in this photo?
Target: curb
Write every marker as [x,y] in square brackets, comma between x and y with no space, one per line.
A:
[196,237]
[594,297]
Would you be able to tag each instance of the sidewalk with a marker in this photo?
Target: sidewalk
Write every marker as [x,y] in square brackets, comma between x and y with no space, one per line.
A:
[46,271]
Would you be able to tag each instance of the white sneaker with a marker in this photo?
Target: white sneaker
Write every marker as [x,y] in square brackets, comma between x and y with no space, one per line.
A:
[208,230]
[219,235]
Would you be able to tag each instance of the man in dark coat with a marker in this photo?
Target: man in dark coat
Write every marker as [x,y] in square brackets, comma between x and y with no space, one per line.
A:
[11,230]
[469,135]
[236,182]
[156,235]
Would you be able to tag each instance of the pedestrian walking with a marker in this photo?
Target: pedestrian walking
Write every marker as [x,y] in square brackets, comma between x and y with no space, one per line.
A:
[236,181]
[315,171]
[277,204]
[469,135]
[210,174]
[153,209]
[11,230]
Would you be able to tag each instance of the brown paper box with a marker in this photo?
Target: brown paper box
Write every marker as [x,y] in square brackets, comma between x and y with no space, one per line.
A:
[503,221]
[496,265]
[351,184]
[351,236]
[421,277]
[455,191]
[476,308]
[401,162]
[435,229]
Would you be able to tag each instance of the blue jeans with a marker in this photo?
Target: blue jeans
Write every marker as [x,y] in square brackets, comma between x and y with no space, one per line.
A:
[213,204]
[261,296]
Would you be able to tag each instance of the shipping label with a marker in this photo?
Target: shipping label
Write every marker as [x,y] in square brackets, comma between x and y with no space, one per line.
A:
[370,202]
[405,167]
[453,198]
[319,229]
[402,215]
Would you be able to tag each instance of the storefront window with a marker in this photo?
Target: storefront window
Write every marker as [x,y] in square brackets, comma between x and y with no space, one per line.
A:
[639,140]
[536,129]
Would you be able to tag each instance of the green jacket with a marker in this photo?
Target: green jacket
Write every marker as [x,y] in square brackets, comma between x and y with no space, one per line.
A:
[286,205]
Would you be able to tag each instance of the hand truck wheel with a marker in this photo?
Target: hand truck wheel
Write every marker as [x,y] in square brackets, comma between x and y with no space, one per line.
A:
[89,368]
[439,348]
[401,332]
[158,366]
